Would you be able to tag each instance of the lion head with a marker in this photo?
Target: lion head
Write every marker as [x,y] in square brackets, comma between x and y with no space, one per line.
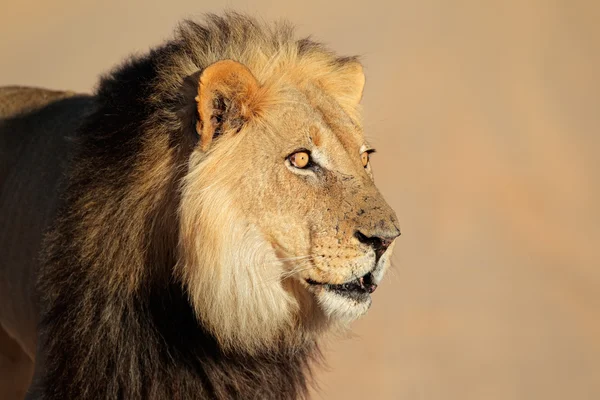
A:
[283,232]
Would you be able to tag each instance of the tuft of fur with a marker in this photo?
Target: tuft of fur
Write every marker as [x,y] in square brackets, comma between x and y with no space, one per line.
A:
[135,302]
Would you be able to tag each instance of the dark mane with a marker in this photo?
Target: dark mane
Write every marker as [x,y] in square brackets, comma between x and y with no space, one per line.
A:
[116,322]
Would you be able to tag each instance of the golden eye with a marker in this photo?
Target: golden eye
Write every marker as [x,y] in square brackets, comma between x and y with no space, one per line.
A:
[364,157]
[300,159]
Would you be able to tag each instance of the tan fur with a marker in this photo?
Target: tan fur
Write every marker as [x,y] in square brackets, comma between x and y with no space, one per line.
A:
[253,228]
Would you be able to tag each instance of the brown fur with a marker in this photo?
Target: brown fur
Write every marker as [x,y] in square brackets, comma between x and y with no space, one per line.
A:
[16,100]
[179,263]
[16,368]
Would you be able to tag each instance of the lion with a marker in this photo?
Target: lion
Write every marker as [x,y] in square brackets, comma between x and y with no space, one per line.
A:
[194,227]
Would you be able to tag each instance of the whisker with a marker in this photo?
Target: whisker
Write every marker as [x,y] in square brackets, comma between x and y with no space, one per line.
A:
[295,272]
[287,274]
[300,264]
[295,258]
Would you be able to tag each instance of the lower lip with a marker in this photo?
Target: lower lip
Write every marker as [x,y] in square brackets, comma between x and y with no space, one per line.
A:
[358,288]
[355,295]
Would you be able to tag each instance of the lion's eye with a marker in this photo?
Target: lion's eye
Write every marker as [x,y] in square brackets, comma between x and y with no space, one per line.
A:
[299,159]
[365,158]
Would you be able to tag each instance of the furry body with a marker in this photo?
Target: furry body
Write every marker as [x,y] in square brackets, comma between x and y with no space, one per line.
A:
[149,285]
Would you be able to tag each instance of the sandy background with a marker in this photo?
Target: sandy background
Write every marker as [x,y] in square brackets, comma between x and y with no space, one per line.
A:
[486,116]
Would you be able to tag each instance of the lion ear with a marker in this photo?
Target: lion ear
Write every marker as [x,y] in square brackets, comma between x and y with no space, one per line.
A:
[228,97]
[348,82]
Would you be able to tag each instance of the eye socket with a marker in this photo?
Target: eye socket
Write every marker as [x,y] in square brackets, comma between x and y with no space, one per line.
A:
[300,159]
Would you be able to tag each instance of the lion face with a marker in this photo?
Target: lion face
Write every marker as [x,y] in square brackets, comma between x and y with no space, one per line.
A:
[282,225]
[326,221]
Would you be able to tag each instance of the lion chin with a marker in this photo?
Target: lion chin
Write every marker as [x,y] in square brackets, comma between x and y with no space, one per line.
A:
[347,301]
[218,214]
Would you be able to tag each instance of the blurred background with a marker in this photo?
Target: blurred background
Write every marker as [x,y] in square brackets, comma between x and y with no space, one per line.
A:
[486,118]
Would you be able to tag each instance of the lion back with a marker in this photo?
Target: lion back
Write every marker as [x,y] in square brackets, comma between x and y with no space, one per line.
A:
[35,130]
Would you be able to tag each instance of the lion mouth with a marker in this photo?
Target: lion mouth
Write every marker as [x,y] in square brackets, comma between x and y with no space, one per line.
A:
[356,288]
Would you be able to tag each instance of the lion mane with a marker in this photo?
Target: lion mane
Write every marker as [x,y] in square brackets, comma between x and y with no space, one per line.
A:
[144,290]
[109,298]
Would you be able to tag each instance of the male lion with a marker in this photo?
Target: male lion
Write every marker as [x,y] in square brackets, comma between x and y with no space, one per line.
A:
[218,215]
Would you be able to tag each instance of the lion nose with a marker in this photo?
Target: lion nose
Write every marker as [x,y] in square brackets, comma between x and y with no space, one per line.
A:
[378,243]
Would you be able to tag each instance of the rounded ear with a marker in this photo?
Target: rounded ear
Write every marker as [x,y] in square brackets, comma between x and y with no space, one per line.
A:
[228,97]
[347,83]
[356,77]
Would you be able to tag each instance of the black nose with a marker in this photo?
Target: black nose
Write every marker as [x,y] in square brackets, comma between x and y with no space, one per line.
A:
[379,244]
